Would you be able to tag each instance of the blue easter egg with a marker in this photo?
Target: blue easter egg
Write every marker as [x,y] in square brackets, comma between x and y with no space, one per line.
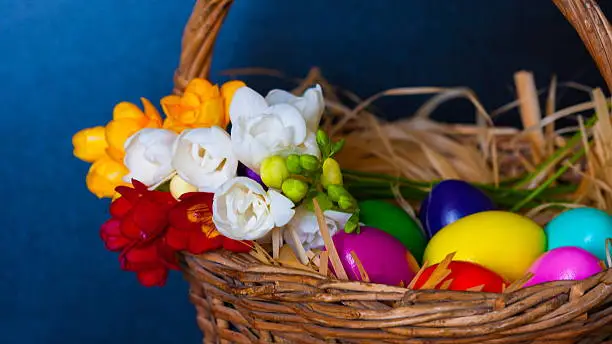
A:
[449,201]
[587,228]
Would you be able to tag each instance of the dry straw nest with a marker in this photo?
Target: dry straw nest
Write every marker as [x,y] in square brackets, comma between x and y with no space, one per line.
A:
[253,298]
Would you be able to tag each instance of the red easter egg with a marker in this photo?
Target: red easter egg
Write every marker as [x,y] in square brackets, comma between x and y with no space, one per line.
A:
[464,276]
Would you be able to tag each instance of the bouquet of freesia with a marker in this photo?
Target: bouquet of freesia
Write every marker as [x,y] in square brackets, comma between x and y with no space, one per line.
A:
[224,168]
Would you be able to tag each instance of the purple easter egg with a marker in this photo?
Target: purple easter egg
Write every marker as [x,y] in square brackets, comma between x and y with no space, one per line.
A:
[450,200]
[247,172]
[384,258]
[564,263]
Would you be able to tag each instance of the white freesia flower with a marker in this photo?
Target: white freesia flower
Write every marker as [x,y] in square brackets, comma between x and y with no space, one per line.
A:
[279,124]
[243,210]
[203,157]
[148,155]
[305,225]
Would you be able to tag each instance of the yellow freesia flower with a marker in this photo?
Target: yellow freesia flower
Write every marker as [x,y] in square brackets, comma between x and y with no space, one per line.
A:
[202,105]
[90,144]
[103,146]
[104,176]
[127,120]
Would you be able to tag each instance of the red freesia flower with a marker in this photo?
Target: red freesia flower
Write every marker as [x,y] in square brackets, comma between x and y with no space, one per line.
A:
[192,228]
[137,229]
[149,227]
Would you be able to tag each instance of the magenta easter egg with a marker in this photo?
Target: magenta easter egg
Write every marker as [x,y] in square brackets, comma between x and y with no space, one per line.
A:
[384,258]
[564,263]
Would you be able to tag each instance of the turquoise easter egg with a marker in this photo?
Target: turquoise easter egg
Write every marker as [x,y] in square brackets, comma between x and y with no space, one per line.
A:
[587,228]
[395,221]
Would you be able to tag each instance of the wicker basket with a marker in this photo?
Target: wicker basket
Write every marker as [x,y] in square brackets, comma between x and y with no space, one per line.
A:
[241,300]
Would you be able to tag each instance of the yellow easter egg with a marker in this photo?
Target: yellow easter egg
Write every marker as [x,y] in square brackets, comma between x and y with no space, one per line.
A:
[504,242]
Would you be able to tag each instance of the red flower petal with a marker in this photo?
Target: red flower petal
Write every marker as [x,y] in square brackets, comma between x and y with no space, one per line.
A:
[192,241]
[167,255]
[193,211]
[120,207]
[153,277]
[128,193]
[164,199]
[187,195]
[200,243]
[149,217]
[130,229]
[142,257]
[237,246]
[177,238]
[139,186]
[112,237]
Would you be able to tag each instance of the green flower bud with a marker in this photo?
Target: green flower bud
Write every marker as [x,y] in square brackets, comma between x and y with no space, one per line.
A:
[352,224]
[295,189]
[273,171]
[293,164]
[309,162]
[336,191]
[331,173]
[322,138]
[346,202]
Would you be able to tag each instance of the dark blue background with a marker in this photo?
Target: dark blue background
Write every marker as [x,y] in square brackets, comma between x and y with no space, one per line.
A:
[65,63]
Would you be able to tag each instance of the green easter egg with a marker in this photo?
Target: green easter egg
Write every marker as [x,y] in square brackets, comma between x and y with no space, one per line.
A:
[395,221]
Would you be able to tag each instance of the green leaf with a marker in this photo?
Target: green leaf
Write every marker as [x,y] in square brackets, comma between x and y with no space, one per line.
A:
[337,147]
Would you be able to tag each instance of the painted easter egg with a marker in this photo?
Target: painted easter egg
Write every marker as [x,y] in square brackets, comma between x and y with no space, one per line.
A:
[395,221]
[465,276]
[587,228]
[383,257]
[450,200]
[504,242]
[564,263]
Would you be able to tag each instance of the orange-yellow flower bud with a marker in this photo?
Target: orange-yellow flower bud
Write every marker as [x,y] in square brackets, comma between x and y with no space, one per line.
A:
[202,105]
[90,144]
[117,132]
[104,176]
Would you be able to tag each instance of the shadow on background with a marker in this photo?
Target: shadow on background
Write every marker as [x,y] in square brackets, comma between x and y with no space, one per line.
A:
[65,63]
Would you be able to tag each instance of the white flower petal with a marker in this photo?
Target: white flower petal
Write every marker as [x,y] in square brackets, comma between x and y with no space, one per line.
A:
[311,104]
[246,103]
[281,208]
[203,157]
[341,218]
[247,149]
[309,146]
[241,210]
[315,105]
[281,124]
[280,97]
[291,119]
[305,225]
[148,154]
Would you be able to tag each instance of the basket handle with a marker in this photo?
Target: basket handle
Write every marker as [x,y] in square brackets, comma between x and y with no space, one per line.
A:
[208,15]
[198,41]
[594,29]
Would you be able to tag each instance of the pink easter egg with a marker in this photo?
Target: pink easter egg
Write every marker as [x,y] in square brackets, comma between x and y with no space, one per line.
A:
[384,258]
[564,263]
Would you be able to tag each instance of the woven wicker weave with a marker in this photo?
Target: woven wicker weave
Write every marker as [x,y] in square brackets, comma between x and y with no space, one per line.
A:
[240,300]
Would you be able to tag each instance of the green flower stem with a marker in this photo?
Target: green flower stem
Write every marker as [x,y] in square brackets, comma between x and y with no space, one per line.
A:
[559,172]
[412,194]
[546,164]
[360,175]
[494,192]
